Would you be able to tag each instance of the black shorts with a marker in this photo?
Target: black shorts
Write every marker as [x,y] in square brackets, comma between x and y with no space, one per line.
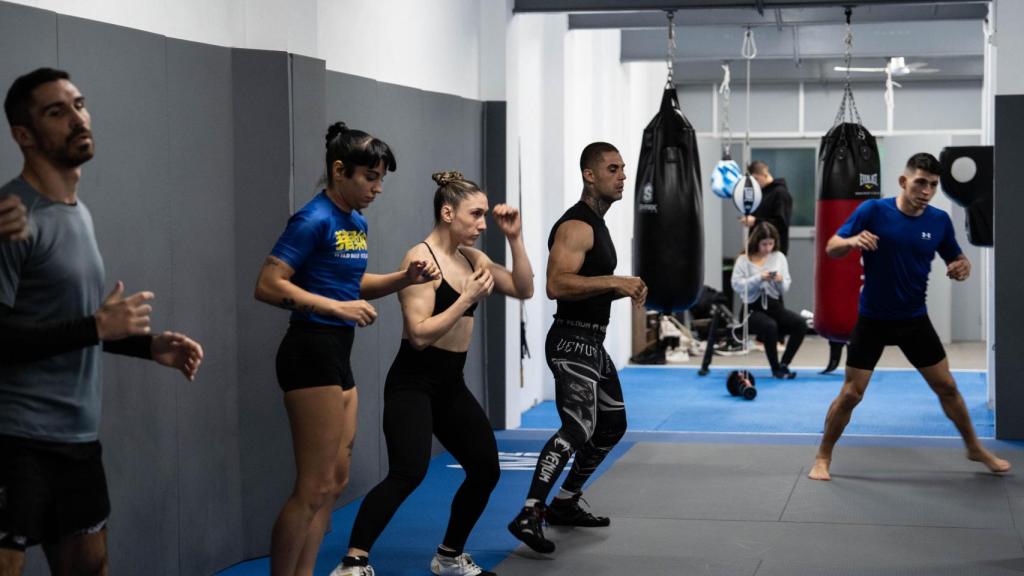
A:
[49,490]
[916,337]
[312,355]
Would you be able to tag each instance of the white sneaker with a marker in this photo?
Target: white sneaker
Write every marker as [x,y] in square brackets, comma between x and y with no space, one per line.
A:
[340,570]
[461,565]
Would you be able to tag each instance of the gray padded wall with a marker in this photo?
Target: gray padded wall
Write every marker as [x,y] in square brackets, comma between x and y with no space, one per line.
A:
[202,209]
[262,172]
[122,72]
[22,27]
[308,93]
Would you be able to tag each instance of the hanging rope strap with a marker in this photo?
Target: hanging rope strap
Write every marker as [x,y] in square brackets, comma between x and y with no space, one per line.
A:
[749,52]
[725,92]
[890,92]
[670,55]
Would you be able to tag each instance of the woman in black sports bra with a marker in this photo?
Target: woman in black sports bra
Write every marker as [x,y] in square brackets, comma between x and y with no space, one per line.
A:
[425,392]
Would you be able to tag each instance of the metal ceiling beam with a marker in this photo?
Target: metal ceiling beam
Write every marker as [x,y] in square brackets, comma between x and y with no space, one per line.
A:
[910,39]
[970,68]
[524,6]
[786,16]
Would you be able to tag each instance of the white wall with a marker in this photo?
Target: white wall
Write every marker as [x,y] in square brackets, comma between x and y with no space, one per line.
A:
[535,85]
[434,45]
[597,93]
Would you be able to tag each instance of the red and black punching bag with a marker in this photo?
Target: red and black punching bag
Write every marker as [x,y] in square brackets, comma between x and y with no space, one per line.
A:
[668,226]
[848,170]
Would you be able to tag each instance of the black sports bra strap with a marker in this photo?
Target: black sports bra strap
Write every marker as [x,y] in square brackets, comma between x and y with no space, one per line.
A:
[468,261]
[435,258]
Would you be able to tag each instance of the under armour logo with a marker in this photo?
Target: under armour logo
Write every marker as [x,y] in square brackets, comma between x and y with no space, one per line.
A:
[926,235]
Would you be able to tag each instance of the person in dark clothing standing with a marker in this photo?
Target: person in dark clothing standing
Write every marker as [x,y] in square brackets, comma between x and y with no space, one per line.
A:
[776,203]
[581,268]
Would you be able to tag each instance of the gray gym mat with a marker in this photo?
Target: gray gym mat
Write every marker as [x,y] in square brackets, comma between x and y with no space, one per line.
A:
[750,510]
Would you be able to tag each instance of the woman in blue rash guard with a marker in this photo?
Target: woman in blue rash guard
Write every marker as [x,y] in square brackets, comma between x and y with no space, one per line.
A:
[317,270]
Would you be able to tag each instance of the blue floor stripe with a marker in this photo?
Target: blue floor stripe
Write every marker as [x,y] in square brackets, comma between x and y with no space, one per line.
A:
[407,545]
[897,403]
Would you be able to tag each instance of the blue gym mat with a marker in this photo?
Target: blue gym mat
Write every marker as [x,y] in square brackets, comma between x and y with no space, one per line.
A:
[676,399]
[409,541]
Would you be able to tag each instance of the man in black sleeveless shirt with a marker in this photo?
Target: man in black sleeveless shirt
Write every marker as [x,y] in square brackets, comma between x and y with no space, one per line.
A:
[581,278]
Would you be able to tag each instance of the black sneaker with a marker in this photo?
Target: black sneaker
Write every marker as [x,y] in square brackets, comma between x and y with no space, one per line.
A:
[527,527]
[568,512]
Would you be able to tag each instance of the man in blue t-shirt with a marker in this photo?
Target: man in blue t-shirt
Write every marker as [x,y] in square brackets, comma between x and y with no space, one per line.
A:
[898,239]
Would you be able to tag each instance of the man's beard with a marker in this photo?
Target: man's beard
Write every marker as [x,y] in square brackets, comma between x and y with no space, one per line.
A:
[72,154]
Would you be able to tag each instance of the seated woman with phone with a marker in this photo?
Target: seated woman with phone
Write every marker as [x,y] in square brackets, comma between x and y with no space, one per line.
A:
[761,276]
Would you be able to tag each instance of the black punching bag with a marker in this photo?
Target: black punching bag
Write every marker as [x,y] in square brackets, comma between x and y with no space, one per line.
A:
[668,226]
[967,177]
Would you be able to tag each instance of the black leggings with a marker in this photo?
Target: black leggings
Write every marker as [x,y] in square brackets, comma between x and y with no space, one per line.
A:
[425,394]
[774,321]
[589,401]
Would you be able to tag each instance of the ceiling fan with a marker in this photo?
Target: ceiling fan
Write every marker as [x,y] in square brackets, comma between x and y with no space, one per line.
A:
[897,66]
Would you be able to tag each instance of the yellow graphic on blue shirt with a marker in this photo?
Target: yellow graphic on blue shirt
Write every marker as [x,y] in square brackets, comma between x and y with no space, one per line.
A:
[350,244]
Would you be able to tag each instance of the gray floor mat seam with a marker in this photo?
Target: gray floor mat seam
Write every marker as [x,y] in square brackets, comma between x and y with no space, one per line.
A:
[1013,517]
[792,490]
[810,523]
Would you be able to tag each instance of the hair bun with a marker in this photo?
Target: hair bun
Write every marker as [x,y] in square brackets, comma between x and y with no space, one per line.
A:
[334,130]
[446,178]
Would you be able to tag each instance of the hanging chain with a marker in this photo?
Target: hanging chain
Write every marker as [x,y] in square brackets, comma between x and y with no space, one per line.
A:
[671,52]
[850,112]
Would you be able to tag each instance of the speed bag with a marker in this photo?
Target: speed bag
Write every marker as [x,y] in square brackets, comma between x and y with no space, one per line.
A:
[668,225]
[724,178]
[848,170]
[746,195]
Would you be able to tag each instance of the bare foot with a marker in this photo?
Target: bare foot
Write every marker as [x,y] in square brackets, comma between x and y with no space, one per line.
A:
[820,469]
[995,464]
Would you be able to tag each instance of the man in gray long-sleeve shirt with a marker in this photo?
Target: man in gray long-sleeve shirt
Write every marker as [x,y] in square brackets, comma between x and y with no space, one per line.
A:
[52,319]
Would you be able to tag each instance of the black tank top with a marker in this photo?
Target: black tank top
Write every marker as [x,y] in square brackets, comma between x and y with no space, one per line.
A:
[600,260]
[445,295]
